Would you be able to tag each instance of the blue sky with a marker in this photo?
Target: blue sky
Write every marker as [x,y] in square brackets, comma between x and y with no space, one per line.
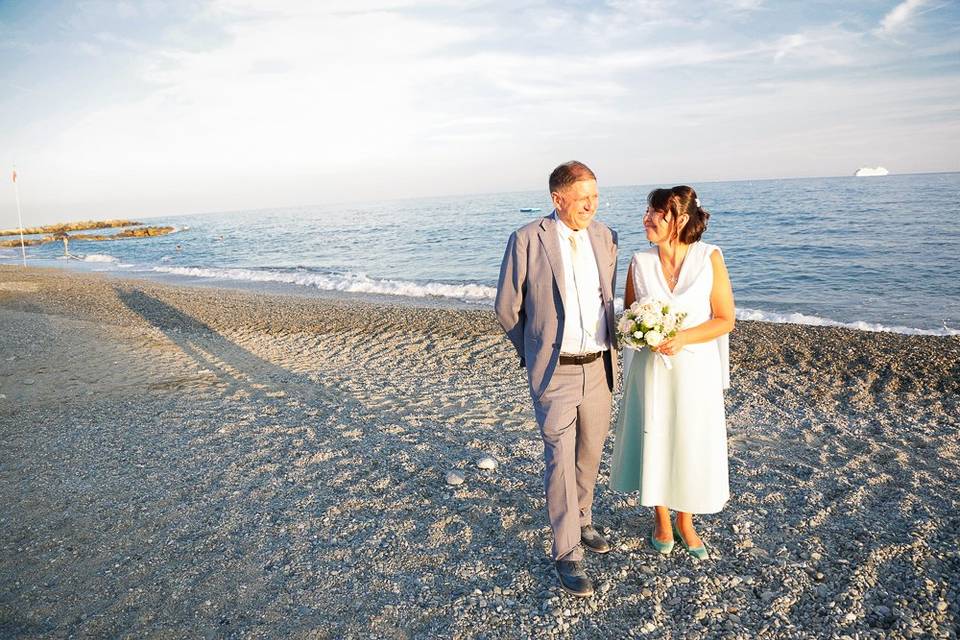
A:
[150,108]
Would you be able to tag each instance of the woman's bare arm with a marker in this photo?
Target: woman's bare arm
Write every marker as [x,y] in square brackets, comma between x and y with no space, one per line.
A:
[722,306]
[629,295]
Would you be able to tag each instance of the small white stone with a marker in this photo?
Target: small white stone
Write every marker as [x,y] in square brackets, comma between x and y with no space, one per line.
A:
[488,463]
[454,478]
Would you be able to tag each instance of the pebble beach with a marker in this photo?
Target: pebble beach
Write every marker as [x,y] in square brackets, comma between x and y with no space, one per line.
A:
[199,462]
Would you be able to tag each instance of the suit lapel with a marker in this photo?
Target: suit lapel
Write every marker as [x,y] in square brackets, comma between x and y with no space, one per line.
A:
[601,251]
[551,246]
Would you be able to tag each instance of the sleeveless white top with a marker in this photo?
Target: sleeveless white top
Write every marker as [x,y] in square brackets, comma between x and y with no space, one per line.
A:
[692,293]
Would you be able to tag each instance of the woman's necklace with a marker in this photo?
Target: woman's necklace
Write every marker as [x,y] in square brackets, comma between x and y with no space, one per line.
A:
[672,275]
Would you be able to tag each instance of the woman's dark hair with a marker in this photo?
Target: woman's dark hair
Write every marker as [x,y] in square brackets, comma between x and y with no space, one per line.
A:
[676,202]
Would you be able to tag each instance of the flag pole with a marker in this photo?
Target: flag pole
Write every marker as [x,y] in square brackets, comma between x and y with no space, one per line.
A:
[16,191]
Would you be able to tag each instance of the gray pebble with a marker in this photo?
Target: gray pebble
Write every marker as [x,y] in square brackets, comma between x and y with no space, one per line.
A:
[488,463]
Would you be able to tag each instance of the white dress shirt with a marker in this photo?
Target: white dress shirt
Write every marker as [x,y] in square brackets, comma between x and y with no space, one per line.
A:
[585,322]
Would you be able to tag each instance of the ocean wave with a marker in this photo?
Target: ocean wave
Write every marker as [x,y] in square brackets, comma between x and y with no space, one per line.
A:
[817,321]
[346,282]
[361,283]
[99,257]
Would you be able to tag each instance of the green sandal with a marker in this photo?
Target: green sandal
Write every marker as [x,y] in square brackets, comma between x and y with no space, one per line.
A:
[662,547]
[700,553]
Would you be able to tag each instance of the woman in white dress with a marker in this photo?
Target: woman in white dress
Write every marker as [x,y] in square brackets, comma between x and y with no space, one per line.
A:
[671,441]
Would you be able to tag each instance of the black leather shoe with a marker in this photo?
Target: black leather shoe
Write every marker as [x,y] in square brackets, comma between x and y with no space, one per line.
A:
[573,580]
[592,540]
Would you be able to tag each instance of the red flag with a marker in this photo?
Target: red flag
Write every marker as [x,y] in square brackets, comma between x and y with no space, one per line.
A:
[14,175]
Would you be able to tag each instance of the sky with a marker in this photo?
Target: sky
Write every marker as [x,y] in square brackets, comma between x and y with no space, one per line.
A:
[127,109]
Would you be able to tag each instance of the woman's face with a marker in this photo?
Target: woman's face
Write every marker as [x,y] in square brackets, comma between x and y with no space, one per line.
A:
[657,226]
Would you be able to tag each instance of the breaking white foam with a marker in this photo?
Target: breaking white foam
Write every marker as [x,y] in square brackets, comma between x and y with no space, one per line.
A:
[361,283]
[347,282]
[817,321]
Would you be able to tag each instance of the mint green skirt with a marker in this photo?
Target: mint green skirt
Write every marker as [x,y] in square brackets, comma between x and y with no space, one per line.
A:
[671,438]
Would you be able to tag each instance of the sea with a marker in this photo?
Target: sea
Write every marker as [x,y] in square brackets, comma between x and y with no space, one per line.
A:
[870,253]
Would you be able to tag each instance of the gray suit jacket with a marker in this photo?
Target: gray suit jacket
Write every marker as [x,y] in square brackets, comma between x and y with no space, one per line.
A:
[530,292]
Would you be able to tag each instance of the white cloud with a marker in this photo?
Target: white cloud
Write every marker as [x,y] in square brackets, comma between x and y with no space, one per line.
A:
[298,90]
[900,16]
[824,47]
[745,5]
[787,44]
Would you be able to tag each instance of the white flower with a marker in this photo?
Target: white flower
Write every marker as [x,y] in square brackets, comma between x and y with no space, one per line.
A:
[651,305]
[651,318]
[653,338]
[639,335]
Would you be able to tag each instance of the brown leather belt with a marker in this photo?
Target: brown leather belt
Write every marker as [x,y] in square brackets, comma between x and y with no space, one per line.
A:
[584,359]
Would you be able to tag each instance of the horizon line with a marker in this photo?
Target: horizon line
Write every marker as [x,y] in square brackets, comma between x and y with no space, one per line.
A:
[515,191]
[359,202]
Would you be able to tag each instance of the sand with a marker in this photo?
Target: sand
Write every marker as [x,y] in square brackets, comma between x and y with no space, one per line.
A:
[180,461]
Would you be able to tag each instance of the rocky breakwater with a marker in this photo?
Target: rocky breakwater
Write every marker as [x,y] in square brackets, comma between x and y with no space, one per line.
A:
[60,231]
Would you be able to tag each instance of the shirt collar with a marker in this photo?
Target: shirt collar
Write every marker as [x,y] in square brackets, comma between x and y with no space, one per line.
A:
[565,231]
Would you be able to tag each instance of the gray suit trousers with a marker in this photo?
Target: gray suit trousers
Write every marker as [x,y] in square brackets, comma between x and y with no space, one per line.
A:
[574,417]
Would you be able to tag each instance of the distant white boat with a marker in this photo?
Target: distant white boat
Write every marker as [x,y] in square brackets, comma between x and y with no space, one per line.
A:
[871,171]
[529,209]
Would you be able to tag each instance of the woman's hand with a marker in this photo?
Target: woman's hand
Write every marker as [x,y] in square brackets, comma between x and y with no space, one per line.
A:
[672,346]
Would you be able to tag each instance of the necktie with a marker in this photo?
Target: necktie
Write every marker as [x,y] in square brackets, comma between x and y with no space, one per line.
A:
[575,259]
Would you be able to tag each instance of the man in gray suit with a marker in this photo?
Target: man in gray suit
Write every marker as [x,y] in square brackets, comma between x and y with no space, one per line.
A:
[555,302]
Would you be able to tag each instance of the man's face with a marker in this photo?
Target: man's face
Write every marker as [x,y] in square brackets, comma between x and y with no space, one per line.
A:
[576,204]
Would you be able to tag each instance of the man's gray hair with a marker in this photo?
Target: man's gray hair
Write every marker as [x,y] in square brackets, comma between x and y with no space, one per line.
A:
[568,173]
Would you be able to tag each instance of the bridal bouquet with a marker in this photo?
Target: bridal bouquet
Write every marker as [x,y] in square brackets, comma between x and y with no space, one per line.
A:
[647,323]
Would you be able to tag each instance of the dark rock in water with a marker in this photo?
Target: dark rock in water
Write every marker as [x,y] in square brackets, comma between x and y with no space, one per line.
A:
[139,232]
[27,242]
[142,232]
[136,232]
[62,227]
